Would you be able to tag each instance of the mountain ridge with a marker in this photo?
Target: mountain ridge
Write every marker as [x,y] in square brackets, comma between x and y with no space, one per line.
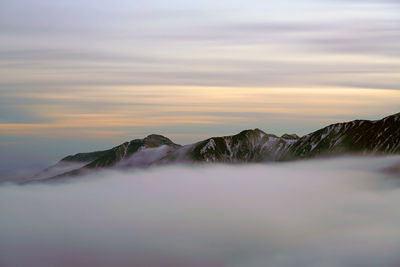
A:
[374,137]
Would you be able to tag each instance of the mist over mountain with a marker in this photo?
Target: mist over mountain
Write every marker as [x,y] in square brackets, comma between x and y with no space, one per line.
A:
[331,212]
[364,137]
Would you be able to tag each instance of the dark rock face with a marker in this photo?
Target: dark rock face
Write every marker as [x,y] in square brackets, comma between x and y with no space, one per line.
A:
[355,137]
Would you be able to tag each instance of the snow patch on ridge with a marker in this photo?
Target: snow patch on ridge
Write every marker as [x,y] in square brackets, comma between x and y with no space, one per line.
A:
[209,146]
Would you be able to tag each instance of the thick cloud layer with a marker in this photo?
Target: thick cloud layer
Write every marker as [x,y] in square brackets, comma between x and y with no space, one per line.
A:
[338,212]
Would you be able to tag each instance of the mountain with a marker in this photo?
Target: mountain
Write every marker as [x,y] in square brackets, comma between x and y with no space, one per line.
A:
[354,137]
[127,149]
[247,146]
[147,151]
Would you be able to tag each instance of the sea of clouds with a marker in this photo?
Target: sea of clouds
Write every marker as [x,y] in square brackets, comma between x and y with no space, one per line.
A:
[334,212]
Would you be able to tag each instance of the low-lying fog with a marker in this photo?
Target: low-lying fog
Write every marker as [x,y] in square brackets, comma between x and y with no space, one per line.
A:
[337,212]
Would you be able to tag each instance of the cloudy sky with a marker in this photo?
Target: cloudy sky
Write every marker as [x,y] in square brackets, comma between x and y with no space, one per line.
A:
[82,75]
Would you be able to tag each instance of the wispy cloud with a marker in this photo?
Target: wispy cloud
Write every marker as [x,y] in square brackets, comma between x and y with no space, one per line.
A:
[127,108]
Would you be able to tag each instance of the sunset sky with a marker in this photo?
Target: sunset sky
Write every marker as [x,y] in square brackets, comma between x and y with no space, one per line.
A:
[77,76]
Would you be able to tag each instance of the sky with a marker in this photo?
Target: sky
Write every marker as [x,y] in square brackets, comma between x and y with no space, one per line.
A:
[78,76]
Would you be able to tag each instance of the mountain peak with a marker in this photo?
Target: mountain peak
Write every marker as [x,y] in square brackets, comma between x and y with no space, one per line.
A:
[248,132]
[155,140]
[156,136]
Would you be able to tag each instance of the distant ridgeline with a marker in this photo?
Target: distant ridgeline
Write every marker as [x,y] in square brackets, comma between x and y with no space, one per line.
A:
[355,137]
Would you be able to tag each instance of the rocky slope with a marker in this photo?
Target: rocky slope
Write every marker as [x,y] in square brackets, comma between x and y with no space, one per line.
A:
[355,137]
[247,146]
[118,156]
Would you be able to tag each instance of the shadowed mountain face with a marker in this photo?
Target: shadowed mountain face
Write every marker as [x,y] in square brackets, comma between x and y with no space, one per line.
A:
[355,137]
